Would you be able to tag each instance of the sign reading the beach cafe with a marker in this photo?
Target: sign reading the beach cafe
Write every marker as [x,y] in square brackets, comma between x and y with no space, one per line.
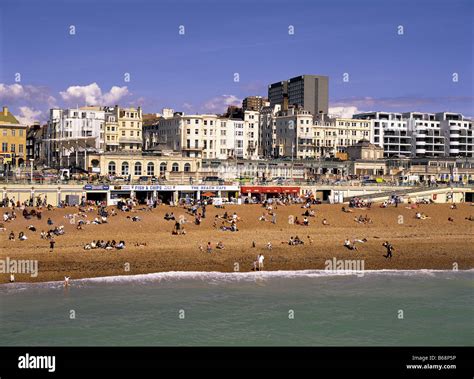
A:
[177,188]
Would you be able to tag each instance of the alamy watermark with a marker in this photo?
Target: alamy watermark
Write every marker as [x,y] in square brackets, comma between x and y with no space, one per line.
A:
[345,266]
[19,266]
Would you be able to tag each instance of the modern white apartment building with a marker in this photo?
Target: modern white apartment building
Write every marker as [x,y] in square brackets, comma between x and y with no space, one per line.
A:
[72,133]
[207,136]
[415,134]
[458,133]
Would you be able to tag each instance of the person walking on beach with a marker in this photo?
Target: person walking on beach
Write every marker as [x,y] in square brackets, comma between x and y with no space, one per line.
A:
[66,281]
[51,244]
[12,278]
[274,218]
[389,248]
[260,262]
[209,247]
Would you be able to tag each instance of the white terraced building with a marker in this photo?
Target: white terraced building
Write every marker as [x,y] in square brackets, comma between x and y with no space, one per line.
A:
[72,133]
[416,134]
[295,133]
[206,136]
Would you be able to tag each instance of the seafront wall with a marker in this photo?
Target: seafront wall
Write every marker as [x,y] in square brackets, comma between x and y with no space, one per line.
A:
[56,193]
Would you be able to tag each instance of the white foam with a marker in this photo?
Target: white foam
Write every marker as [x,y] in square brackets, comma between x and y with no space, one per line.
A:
[215,277]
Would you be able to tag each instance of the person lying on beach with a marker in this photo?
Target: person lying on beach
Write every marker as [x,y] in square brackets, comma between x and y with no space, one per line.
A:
[2,227]
[220,245]
[31,228]
[22,236]
[349,245]
[269,246]
[325,222]
[295,241]
[470,218]
[120,245]
[454,206]
[11,236]
[421,216]
[450,219]
[345,210]
[262,217]
[305,221]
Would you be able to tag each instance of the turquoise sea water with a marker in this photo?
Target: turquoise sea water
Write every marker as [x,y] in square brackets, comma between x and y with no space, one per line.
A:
[302,308]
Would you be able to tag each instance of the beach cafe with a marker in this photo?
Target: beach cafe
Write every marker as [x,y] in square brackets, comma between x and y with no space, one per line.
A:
[171,193]
[266,192]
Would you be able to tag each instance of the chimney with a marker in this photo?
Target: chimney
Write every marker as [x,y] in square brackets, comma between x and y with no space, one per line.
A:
[5,111]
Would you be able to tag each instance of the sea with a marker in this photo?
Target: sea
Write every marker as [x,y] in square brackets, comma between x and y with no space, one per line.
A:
[279,308]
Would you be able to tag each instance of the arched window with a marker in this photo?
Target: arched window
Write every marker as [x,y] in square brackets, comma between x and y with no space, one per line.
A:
[175,167]
[162,168]
[187,167]
[111,168]
[125,168]
[138,168]
[150,169]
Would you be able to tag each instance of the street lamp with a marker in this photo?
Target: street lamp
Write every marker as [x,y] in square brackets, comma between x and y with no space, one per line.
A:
[31,170]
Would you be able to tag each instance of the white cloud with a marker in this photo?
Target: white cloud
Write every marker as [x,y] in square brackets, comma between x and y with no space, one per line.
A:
[343,112]
[188,106]
[92,95]
[11,94]
[220,103]
[28,115]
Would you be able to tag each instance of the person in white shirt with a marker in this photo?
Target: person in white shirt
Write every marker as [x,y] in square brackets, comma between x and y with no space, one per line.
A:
[260,262]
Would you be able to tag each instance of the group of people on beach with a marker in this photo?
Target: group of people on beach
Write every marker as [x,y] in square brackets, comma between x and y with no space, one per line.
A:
[101,244]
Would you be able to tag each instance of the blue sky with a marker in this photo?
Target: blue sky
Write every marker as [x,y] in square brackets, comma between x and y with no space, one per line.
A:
[194,72]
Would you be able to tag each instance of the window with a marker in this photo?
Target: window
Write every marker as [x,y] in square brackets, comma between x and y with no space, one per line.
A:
[111,168]
[187,167]
[12,148]
[21,133]
[20,148]
[4,147]
[150,169]
[138,168]
[123,133]
[162,168]
[13,132]
[175,167]
[125,168]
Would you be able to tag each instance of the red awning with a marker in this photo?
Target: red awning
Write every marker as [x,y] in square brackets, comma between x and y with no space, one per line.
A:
[268,189]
